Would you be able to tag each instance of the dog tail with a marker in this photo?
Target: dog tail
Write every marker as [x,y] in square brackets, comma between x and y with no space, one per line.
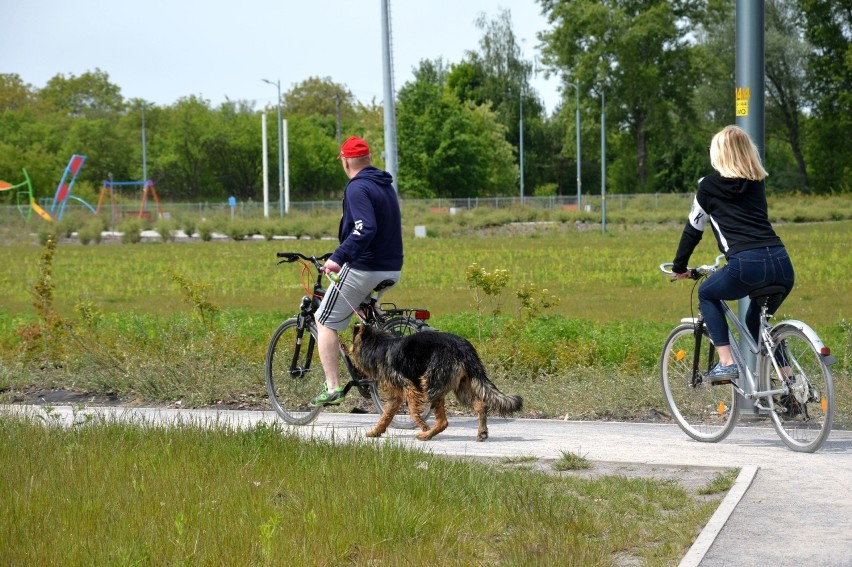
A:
[502,404]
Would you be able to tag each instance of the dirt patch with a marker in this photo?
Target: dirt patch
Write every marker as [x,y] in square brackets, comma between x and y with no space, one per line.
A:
[692,479]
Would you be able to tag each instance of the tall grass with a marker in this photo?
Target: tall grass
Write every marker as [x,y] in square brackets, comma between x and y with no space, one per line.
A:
[105,493]
[125,326]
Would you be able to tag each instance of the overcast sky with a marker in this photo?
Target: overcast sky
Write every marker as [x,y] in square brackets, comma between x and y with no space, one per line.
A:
[162,50]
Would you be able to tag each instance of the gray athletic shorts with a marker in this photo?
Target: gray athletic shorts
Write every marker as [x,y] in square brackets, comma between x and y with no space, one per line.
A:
[353,287]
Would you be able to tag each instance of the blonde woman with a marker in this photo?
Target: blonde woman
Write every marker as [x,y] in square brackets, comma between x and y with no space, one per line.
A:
[732,201]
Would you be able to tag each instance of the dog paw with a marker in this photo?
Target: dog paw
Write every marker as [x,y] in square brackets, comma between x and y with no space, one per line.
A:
[482,436]
[374,433]
[424,436]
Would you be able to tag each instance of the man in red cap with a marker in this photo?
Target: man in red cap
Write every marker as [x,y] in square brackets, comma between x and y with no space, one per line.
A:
[369,253]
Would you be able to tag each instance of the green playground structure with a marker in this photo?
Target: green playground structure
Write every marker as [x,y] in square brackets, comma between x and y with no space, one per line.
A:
[24,200]
[26,203]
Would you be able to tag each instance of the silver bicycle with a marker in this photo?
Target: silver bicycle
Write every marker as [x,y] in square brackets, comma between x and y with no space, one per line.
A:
[792,382]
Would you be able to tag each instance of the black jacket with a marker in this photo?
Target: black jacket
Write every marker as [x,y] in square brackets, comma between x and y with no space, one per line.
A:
[737,212]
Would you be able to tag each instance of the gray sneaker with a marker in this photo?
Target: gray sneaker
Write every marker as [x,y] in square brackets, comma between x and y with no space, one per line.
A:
[723,374]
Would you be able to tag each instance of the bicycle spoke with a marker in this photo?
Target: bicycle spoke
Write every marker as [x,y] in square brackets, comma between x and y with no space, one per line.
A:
[803,417]
[703,411]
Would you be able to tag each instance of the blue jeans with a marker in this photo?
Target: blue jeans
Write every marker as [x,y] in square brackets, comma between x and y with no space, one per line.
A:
[745,272]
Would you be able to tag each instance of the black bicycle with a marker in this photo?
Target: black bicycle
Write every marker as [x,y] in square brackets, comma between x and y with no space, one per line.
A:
[294,374]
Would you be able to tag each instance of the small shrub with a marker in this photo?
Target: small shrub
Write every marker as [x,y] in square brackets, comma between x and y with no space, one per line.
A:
[131,231]
[205,230]
[166,229]
[91,232]
[188,224]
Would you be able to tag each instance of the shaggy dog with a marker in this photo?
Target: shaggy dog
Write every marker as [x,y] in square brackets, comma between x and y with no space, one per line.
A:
[421,369]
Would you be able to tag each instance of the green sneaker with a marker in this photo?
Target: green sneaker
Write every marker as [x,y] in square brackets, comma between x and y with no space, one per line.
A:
[332,398]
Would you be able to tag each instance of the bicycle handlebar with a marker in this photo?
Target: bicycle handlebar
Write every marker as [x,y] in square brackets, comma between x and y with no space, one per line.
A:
[318,261]
[697,272]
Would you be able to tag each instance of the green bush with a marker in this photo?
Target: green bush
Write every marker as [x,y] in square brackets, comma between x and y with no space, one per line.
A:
[131,230]
[166,229]
[91,232]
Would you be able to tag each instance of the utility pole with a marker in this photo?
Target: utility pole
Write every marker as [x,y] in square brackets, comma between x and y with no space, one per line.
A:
[280,151]
[391,164]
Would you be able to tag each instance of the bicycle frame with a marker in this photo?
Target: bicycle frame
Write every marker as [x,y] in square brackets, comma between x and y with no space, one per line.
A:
[761,350]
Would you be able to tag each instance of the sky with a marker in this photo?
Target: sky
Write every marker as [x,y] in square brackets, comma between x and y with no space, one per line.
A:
[164,50]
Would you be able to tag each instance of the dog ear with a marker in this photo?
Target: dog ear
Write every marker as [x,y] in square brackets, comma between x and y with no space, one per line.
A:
[356,330]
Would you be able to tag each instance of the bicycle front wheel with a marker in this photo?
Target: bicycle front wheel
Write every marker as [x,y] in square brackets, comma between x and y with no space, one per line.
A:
[294,374]
[802,418]
[703,411]
[401,326]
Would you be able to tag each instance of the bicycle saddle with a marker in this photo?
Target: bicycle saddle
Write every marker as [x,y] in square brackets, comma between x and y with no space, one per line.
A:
[384,284]
[765,293]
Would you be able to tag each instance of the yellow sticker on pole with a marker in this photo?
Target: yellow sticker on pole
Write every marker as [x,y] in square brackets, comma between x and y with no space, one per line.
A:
[743,94]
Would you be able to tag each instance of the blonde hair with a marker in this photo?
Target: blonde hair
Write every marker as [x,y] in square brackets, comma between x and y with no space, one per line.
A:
[734,155]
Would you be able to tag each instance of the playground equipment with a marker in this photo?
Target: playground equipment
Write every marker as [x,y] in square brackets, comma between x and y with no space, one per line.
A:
[23,196]
[147,187]
[26,203]
[63,190]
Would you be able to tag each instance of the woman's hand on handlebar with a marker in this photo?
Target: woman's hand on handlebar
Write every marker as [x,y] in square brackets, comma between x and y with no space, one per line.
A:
[684,276]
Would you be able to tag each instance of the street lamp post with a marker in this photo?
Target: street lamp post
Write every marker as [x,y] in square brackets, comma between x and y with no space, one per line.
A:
[577,126]
[603,161]
[280,151]
[521,135]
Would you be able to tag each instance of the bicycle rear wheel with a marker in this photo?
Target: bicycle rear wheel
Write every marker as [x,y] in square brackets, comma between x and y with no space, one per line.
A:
[802,418]
[401,326]
[703,411]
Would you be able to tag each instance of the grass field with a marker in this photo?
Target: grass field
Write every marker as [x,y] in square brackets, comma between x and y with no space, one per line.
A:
[123,324]
[105,493]
[187,323]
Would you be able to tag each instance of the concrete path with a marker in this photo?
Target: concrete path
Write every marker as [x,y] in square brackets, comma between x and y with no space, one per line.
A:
[786,508]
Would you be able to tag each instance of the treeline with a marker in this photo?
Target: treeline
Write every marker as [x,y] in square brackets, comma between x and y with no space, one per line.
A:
[665,68]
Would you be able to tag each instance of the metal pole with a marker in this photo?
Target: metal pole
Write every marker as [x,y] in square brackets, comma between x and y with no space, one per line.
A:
[144,151]
[603,161]
[280,151]
[577,126]
[391,164]
[286,169]
[521,143]
[749,95]
[265,161]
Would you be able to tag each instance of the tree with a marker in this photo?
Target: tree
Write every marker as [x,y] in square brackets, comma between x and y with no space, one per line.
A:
[635,51]
[449,148]
[14,93]
[91,95]
[786,76]
[828,29]
[182,151]
[236,149]
[499,75]
[322,97]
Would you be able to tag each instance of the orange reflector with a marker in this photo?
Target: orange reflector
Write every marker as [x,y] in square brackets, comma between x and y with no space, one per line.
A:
[723,407]
[825,351]
[823,403]
[680,354]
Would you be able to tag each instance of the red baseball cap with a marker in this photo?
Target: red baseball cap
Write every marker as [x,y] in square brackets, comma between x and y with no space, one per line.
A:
[354,147]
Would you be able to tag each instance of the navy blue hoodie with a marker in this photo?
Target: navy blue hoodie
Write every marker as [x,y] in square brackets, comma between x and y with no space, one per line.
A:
[370,231]
[736,210]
